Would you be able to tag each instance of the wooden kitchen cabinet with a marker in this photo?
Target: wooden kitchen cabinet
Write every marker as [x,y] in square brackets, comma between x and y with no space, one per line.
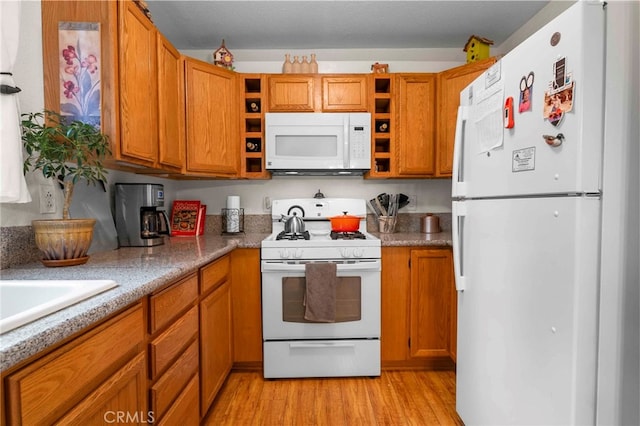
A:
[291,93]
[316,93]
[418,296]
[403,125]
[247,309]
[344,93]
[139,84]
[171,107]
[211,120]
[173,346]
[415,141]
[252,152]
[216,346]
[101,371]
[450,84]
[432,288]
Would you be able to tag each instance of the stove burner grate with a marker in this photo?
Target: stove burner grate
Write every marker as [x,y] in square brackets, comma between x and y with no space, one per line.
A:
[357,235]
[293,235]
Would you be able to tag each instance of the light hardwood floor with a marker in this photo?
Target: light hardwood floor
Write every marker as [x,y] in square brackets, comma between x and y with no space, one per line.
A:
[394,398]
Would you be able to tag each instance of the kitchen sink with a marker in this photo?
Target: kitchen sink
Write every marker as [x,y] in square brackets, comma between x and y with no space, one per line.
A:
[23,301]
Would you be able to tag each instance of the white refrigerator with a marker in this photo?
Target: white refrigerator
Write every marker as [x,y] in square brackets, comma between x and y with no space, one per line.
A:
[526,228]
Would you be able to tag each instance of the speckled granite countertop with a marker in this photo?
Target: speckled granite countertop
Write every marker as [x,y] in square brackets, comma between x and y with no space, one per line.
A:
[415,239]
[138,271]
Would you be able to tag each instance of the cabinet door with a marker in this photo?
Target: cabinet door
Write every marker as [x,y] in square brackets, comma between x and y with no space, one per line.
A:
[212,120]
[450,84]
[291,93]
[123,393]
[138,86]
[416,124]
[89,366]
[247,308]
[215,343]
[395,304]
[171,132]
[344,93]
[431,287]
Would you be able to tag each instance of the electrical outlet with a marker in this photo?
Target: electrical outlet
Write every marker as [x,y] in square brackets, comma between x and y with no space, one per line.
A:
[413,203]
[47,199]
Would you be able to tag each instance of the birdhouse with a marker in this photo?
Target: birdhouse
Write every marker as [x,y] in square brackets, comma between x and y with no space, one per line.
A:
[477,48]
[222,57]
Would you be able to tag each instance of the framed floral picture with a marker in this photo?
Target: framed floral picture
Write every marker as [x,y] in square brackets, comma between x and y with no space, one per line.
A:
[80,75]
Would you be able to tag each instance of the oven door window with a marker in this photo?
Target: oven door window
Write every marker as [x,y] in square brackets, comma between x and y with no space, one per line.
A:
[348,299]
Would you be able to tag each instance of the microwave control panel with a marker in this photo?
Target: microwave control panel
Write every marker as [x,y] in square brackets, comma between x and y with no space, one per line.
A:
[360,140]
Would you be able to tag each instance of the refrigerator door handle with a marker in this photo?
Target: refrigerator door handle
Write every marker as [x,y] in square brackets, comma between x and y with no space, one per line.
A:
[459,187]
[458,215]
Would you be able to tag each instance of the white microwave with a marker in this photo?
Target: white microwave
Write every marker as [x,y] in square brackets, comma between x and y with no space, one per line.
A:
[300,143]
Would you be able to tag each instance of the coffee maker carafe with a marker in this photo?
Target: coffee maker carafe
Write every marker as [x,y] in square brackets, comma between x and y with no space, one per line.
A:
[140,221]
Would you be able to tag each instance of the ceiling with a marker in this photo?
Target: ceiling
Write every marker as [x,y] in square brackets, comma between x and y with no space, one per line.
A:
[337,24]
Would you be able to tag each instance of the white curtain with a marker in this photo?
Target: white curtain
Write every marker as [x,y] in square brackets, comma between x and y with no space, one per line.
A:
[13,187]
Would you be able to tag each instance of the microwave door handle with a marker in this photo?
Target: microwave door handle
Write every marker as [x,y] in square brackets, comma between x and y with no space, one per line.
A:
[345,143]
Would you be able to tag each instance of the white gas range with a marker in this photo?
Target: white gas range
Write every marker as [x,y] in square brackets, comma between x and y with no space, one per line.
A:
[347,344]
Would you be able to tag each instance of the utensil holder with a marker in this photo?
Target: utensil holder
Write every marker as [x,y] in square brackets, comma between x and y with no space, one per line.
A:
[387,224]
[232,221]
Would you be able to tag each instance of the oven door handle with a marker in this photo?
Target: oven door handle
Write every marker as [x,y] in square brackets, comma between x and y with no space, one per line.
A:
[316,345]
[367,265]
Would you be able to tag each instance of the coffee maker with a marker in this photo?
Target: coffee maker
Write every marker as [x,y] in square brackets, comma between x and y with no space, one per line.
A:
[140,221]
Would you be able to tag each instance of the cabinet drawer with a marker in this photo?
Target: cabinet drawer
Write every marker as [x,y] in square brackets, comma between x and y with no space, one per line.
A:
[184,411]
[214,274]
[169,303]
[174,380]
[44,390]
[168,345]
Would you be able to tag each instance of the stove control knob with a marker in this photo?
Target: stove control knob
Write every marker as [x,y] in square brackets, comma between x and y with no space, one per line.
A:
[298,253]
[345,252]
[358,252]
[284,254]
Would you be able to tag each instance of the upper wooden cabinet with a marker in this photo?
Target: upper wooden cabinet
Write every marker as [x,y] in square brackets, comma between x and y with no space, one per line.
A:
[138,67]
[317,93]
[138,84]
[416,125]
[171,105]
[344,93]
[211,120]
[292,93]
[450,84]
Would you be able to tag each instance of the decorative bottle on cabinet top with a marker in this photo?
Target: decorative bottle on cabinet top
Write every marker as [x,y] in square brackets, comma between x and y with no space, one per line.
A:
[305,67]
[313,65]
[286,66]
[295,68]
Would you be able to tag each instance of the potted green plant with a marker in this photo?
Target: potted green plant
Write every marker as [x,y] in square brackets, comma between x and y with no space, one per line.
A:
[66,151]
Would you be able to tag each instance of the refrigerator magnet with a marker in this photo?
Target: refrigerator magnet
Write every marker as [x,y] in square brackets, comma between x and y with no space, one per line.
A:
[557,104]
[526,91]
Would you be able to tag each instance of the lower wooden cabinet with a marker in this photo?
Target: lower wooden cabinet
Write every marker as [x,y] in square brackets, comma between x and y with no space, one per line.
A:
[246,309]
[98,374]
[173,347]
[216,350]
[418,308]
